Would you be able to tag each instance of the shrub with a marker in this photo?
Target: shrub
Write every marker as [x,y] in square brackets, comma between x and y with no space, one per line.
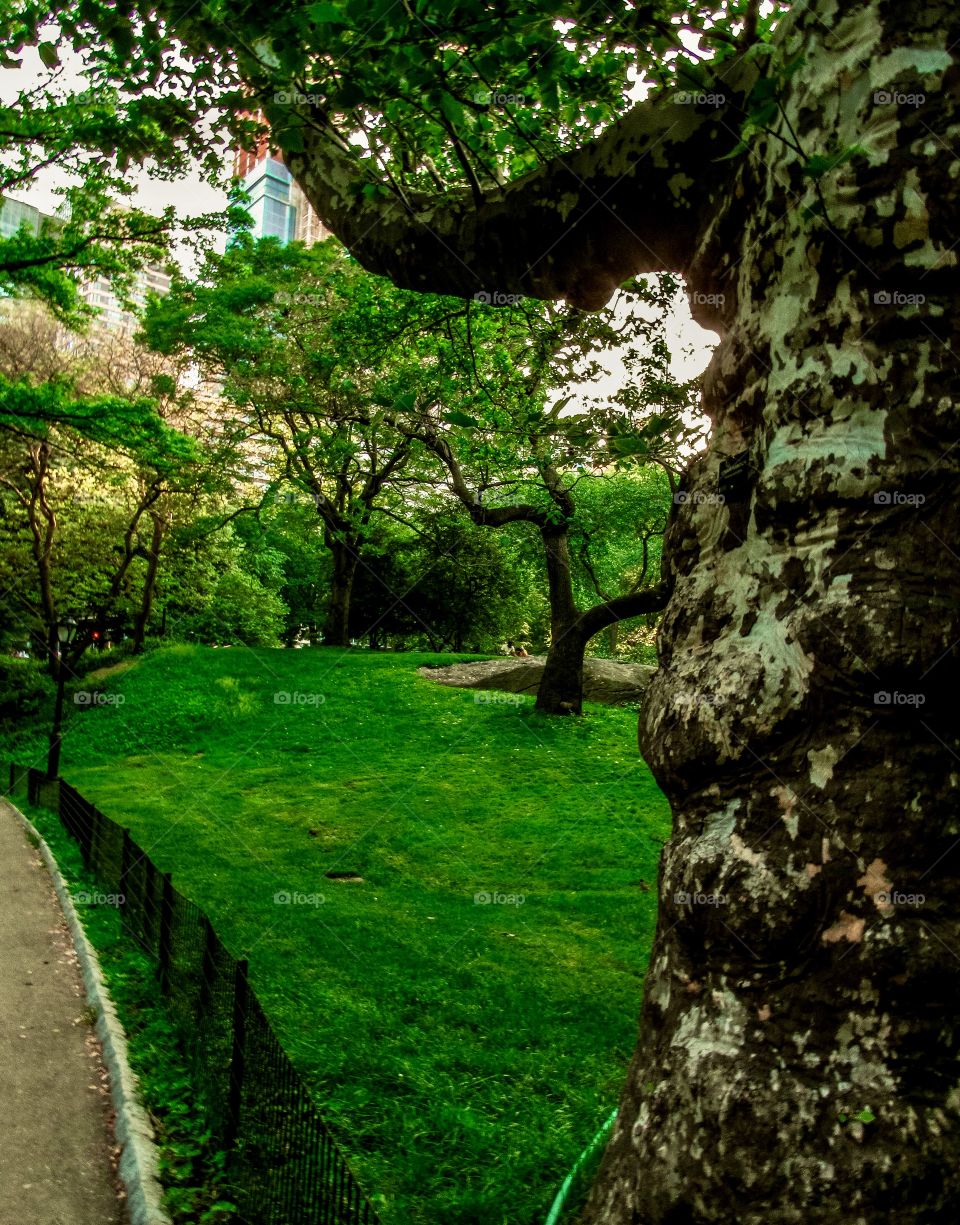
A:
[25,689]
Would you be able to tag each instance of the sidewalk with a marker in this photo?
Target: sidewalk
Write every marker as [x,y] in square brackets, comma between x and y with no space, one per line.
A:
[55,1135]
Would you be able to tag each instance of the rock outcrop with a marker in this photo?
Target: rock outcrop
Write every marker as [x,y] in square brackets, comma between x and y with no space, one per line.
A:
[604,680]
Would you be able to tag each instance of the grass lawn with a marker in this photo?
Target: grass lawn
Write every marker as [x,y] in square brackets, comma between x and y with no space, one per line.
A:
[465,1050]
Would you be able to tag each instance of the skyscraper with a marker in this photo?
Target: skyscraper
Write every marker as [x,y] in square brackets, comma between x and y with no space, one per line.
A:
[113,313]
[17,214]
[278,207]
[268,185]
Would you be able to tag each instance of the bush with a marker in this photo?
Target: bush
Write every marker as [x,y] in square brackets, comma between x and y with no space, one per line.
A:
[26,690]
[240,610]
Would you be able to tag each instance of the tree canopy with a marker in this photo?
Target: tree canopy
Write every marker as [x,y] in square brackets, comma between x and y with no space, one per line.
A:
[385,110]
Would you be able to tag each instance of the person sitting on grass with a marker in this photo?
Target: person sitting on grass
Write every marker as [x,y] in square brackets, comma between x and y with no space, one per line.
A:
[519,651]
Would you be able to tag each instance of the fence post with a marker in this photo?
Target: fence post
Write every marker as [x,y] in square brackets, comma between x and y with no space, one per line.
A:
[206,967]
[125,857]
[165,949]
[241,991]
[96,830]
[149,904]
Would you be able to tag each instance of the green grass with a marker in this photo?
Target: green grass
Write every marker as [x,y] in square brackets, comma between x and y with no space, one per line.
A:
[464,1052]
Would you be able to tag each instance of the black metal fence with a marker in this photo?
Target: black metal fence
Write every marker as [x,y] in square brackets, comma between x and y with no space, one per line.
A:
[285,1167]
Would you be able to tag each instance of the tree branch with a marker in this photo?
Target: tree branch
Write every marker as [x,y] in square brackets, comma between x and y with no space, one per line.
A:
[591,622]
[631,201]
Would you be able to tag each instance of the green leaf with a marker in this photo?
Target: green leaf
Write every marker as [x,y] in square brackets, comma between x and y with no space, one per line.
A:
[740,147]
[48,54]
[290,140]
[405,403]
[326,15]
[818,165]
[451,109]
[349,95]
[456,418]
[792,67]
[866,1115]
[764,88]
[762,116]
[689,72]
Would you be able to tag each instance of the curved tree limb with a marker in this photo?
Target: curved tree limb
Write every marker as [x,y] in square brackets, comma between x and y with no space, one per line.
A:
[631,201]
[653,599]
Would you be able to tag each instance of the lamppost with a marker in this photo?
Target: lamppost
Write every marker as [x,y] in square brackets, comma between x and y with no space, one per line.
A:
[66,632]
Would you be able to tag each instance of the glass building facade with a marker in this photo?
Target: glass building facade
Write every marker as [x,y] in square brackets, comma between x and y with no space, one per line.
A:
[14,214]
[268,184]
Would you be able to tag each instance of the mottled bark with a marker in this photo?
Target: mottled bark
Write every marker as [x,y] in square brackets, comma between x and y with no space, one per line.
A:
[798,1053]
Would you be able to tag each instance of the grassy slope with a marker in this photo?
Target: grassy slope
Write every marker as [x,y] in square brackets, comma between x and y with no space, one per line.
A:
[465,1052]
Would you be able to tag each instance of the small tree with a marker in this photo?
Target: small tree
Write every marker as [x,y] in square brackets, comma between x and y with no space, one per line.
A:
[275,355]
[87,519]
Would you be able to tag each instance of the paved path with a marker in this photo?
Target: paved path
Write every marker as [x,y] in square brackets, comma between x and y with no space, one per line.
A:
[55,1137]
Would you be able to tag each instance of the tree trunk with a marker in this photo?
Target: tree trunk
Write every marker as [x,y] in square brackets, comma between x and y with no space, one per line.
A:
[42,522]
[561,685]
[336,629]
[149,584]
[799,1044]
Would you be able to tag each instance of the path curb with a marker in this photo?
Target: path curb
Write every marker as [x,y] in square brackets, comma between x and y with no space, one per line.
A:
[139,1160]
